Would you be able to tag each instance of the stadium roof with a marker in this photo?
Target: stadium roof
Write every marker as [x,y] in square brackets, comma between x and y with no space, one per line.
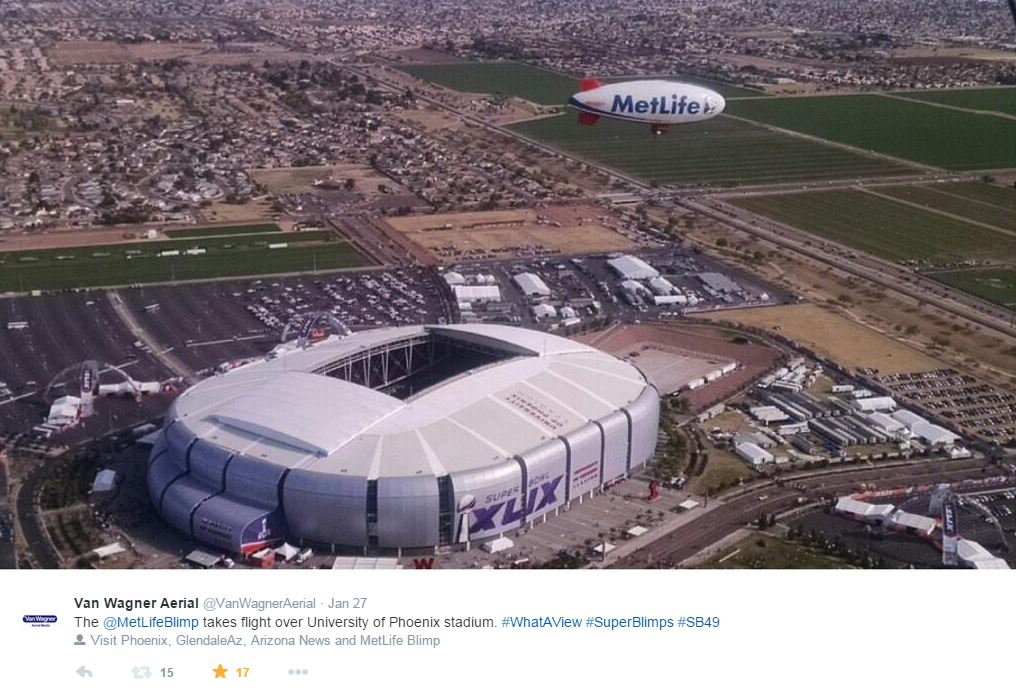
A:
[280,409]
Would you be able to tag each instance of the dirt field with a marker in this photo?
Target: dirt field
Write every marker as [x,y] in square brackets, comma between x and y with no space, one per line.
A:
[80,52]
[425,55]
[575,229]
[71,238]
[704,344]
[952,53]
[220,212]
[846,342]
[76,52]
[432,119]
[300,180]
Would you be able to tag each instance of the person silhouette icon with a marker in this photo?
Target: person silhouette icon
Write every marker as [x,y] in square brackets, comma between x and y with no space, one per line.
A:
[80,640]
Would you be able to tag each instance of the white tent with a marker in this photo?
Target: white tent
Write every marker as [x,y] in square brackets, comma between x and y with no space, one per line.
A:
[629,267]
[287,552]
[498,545]
[477,293]
[105,481]
[531,285]
[543,310]
[109,550]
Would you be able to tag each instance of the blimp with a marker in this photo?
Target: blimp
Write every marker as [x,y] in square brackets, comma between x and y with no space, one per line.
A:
[658,103]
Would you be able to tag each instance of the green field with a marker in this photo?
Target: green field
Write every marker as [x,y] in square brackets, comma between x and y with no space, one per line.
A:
[946,199]
[719,151]
[891,230]
[995,285]
[115,265]
[1002,99]
[762,552]
[512,79]
[994,194]
[247,229]
[529,82]
[728,91]
[918,132]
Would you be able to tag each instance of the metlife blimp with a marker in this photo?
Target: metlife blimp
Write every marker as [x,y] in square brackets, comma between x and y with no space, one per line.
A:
[658,103]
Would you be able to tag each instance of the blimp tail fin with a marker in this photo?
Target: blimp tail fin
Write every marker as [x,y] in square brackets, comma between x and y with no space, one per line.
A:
[587,119]
[588,84]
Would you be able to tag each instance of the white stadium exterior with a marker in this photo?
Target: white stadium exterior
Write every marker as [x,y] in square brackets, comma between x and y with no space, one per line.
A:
[399,438]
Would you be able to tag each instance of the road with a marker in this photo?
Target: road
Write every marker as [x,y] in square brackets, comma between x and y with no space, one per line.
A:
[741,508]
[8,557]
[32,528]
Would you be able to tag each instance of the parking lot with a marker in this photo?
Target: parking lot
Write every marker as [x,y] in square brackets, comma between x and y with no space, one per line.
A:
[208,324]
[959,398]
[41,336]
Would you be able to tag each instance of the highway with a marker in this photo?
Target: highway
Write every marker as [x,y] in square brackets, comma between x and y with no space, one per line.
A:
[740,508]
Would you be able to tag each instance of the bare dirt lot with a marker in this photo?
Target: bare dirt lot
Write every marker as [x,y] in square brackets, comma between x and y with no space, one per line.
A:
[570,229]
[83,52]
[220,212]
[77,52]
[300,180]
[706,344]
[424,55]
[848,343]
[943,54]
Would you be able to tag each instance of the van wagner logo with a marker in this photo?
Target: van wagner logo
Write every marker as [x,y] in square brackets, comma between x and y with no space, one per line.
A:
[38,620]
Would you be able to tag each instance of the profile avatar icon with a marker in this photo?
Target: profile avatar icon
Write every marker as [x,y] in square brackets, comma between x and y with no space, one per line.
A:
[80,640]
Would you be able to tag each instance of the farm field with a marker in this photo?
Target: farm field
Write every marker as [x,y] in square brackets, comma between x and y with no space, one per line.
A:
[532,83]
[116,265]
[986,193]
[888,229]
[995,285]
[922,133]
[222,230]
[946,200]
[999,99]
[720,151]
[512,79]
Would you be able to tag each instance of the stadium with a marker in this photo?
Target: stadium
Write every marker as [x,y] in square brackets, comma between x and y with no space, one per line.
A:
[399,438]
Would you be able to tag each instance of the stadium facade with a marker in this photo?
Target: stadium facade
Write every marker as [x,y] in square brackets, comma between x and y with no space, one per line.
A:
[399,438]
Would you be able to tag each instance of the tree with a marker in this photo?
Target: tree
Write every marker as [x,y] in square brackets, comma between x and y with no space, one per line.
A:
[350,183]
